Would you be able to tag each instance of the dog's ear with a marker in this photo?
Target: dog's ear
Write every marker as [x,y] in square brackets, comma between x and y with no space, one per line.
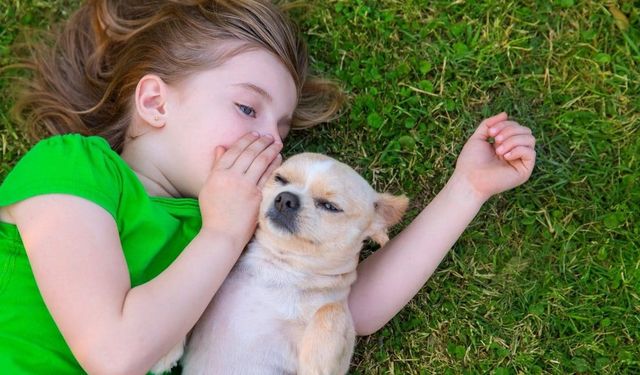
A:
[389,210]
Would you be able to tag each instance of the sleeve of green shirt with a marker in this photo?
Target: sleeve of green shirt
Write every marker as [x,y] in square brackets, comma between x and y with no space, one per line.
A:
[66,164]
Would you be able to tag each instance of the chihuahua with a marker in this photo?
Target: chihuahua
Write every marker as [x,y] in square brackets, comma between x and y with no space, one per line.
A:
[283,308]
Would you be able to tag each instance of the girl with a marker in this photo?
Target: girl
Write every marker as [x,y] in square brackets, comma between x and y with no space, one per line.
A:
[116,233]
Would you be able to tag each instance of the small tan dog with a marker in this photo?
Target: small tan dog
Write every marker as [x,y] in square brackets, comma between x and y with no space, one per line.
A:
[283,308]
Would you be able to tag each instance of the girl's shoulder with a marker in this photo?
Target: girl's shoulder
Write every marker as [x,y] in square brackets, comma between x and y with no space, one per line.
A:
[73,158]
[75,144]
[84,166]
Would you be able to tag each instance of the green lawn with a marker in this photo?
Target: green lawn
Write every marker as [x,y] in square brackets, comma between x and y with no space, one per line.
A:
[547,277]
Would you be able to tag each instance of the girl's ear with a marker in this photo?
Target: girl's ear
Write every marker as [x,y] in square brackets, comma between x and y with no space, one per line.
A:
[150,100]
[389,210]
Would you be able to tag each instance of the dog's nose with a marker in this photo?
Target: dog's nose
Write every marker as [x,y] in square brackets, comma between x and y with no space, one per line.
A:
[287,202]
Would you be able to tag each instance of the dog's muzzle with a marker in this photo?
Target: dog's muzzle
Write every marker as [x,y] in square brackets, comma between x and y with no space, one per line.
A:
[284,211]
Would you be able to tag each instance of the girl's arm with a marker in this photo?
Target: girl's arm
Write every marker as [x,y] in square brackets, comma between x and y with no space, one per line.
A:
[74,250]
[76,257]
[390,277]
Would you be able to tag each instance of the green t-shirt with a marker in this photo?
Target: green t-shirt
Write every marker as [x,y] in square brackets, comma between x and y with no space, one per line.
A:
[153,231]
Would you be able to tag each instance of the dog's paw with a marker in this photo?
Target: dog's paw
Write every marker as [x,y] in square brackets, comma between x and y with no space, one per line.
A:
[169,361]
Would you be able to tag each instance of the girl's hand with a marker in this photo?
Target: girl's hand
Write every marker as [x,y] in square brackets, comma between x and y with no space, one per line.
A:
[503,165]
[230,197]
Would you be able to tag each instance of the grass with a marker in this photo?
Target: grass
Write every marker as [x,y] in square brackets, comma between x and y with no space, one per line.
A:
[547,277]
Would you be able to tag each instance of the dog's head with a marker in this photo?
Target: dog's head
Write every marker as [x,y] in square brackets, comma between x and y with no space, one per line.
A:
[314,206]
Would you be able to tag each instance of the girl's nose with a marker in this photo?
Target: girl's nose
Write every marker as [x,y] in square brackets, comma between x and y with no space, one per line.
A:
[276,137]
[273,130]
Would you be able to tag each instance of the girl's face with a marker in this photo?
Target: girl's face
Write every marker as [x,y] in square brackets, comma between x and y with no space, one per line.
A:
[251,91]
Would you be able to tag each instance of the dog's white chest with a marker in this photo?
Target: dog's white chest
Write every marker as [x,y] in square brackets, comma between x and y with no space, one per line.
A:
[254,322]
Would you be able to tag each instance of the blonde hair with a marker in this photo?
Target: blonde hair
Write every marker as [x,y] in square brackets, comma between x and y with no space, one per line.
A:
[83,80]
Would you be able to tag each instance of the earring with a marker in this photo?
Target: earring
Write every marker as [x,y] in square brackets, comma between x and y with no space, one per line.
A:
[156,117]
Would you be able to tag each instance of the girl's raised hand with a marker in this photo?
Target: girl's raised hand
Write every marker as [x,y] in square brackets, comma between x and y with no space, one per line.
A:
[230,197]
[503,165]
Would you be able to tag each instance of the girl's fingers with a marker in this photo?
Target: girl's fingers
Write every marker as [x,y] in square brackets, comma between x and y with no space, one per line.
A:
[506,129]
[508,144]
[217,154]
[489,122]
[262,162]
[510,126]
[482,132]
[229,157]
[256,150]
[267,174]
[525,155]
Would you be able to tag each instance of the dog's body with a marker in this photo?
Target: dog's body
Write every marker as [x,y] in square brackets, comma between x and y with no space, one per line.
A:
[258,319]
[283,308]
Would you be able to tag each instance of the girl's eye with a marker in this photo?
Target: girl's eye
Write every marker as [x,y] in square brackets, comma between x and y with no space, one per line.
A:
[281,180]
[249,111]
[326,205]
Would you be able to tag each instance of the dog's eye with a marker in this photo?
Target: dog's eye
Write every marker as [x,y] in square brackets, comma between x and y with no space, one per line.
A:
[281,180]
[326,205]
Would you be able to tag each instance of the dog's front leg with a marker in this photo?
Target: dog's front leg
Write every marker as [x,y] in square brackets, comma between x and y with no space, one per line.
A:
[170,360]
[327,342]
